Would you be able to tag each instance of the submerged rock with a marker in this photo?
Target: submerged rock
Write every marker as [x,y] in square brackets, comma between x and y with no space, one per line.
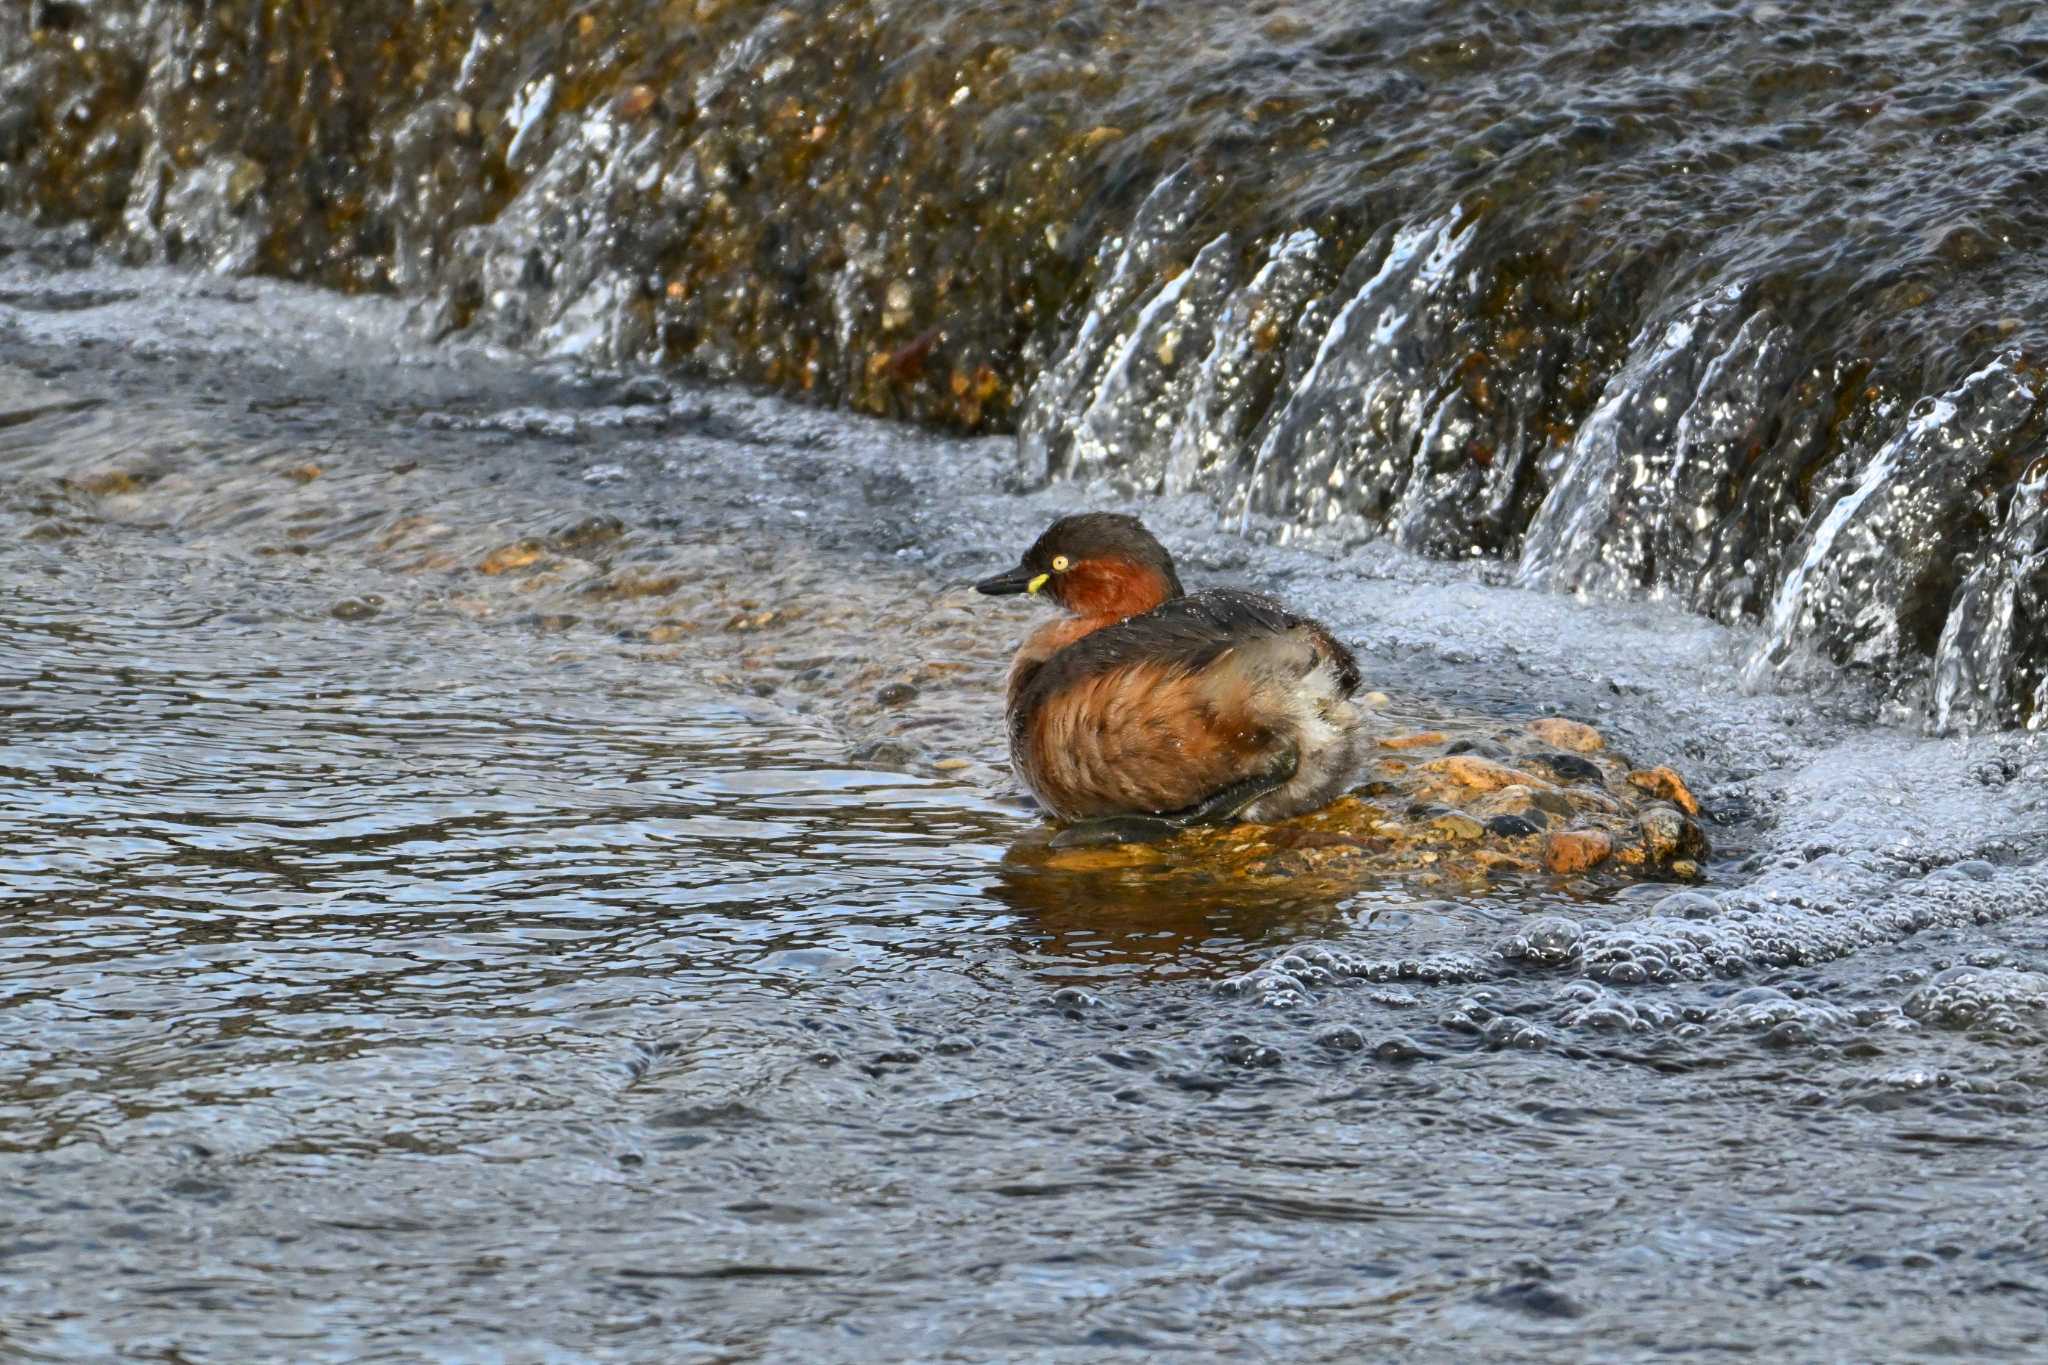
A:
[1567,734]
[1665,784]
[1577,850]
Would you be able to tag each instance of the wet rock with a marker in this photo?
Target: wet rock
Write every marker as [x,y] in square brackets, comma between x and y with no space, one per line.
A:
[1666,785]
[1458,826]
[1567,734]
[1495,860]
[107,483]
[1466,815]
[896,694]
[1534,1299]
[1564,768]
[1555,804]
[628,584]
[1666,834]
[1882,577]
[1075,1001]
[1481,748]
[1569,851]
[1477,774]
[552,622]
[1591,800]
[887,751]
[583,533]
[1522,800]
[519,554]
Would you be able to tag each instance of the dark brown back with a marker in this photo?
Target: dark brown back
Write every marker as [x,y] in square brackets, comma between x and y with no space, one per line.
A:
[1190,632]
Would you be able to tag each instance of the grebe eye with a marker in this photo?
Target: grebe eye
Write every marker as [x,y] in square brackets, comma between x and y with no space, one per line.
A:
[1060,563]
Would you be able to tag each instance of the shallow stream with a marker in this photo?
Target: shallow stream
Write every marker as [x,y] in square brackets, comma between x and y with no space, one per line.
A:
[507,863]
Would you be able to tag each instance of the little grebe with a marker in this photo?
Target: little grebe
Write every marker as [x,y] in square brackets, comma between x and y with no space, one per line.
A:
[1146,710]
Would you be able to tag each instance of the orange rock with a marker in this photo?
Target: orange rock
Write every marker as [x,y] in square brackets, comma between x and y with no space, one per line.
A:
[1567,734]
[1665,783]
[1576,850]
[630,583]
[505,558]
[1493,860]
[1480,774]
[1415,741]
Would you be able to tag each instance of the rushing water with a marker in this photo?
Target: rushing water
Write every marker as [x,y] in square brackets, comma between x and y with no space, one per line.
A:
[505,854]
[510,863]
[1731,302]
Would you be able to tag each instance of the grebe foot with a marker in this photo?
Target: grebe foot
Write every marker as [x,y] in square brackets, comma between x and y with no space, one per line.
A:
[1225,806]
[1219,808]
[1118,829]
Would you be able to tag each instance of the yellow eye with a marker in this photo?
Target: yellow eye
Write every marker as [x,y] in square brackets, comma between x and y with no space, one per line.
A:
[1059,563]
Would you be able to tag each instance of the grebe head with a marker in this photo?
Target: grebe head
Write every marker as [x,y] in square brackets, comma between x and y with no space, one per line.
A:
[1094,564]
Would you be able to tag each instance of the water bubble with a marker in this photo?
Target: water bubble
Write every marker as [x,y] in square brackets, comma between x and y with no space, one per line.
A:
[1986,999]
[1342,1038]
[1399,1050]
[1546,941]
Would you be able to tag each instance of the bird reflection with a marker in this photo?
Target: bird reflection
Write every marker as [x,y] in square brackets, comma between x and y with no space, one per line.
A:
[1205,902]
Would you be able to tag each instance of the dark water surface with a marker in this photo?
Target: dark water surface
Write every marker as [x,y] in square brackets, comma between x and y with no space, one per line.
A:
[463,899]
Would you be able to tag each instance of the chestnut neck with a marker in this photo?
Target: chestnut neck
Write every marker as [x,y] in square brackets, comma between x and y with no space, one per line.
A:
[1105,591]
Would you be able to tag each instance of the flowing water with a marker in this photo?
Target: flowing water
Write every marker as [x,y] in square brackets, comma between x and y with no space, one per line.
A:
[467,897]
[505,851]
[1731,302]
